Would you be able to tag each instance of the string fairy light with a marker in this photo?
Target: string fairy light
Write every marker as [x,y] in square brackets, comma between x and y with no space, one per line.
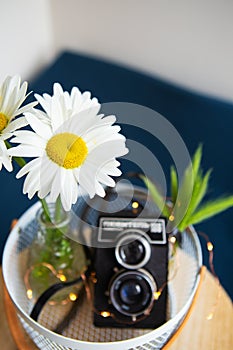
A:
[156,295]
[58,275]
[106,313]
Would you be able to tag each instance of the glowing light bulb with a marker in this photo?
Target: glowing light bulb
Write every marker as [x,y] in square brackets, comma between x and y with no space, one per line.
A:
[171,217]
[173,240]
[105,313]
[29,294]
[210,246]
[61,277]
[73,296]
[135,205]
[157,295]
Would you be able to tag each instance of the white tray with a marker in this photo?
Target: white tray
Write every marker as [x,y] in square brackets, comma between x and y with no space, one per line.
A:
[81,334]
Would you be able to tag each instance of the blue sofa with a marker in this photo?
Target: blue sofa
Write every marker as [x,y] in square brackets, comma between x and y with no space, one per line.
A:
[197,118]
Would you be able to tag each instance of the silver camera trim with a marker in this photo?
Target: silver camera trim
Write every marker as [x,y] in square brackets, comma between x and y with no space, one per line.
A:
[133,222]
[133,236]
[153,286]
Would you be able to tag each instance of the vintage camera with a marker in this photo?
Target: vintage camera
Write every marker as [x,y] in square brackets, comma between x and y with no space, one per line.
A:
[130,267]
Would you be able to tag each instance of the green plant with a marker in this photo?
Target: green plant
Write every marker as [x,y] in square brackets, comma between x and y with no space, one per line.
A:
[189,195]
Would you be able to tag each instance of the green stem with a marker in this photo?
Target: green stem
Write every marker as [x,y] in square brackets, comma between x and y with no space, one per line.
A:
[58,209]
[20,161]
[45,209]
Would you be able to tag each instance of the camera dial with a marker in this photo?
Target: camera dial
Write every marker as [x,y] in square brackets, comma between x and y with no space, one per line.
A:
[133,249]
[132,292]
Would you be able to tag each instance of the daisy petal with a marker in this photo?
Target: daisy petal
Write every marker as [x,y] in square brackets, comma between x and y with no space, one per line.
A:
[105,179]
[31,184]
[57,89]
[87,179]
[57,115]
[69,192]
[27,137]
[16,124]
[35,163]
[25,108]
[47,175]
[56,185]
[38,126]
[5,159]
[99,189]
[107,151]
[5,136]
[111,168]
[43,102]
[26,151]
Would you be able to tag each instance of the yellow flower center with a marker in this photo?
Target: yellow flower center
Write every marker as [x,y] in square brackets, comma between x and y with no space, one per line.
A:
[3,121]
[67,150]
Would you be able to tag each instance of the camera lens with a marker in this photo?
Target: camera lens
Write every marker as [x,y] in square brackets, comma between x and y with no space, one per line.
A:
[132,253]
[132,292]
[133,249]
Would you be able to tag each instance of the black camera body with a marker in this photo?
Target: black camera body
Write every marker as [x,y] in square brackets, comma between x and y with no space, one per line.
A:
[131,265]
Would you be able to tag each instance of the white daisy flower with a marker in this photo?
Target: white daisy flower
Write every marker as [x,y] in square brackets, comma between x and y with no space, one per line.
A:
[73,146]
[12,95]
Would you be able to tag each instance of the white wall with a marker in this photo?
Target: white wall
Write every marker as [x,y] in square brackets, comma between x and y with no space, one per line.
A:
[26,37]
[187,41]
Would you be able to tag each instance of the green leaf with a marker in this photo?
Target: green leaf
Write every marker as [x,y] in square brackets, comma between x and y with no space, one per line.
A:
[192,189]
[156,196]
[184,196]
[196,161]
[174,183]
[199,191]
[210,209]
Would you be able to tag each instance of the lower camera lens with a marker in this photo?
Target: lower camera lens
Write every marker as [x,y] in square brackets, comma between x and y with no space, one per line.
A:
[132,292]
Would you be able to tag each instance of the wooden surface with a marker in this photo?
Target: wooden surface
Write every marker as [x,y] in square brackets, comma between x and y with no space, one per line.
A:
[197,332]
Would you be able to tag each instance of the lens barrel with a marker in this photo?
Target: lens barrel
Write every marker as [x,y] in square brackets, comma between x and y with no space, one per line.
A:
[132,292]
[133,249]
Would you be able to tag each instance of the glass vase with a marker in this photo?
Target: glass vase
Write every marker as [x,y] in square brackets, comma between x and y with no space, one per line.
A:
[53,257]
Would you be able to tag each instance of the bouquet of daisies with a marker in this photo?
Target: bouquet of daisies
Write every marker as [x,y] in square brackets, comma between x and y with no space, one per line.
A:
[73,149]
